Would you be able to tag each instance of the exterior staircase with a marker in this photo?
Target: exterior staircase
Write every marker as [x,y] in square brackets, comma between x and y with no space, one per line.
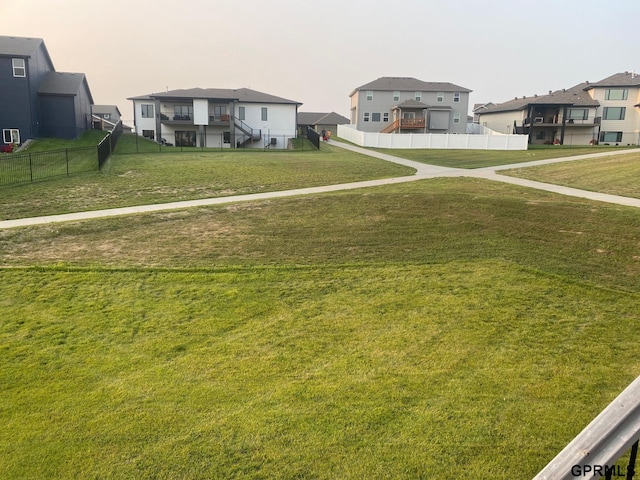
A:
[249,135]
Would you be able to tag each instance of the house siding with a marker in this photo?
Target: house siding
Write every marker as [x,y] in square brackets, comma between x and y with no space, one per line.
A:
[280,124]
[502,122]
[630,126]
[16,94]
[25,108]
[58,114]
[382,102]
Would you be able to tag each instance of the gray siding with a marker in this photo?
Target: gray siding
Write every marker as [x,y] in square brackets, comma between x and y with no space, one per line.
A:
[58,116]
[383,102]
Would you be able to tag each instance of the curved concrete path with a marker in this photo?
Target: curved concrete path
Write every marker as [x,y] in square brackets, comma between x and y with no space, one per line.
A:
[423,171]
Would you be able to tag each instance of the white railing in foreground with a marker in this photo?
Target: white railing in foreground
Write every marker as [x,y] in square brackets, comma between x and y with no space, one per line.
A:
[488,140]
[594,452]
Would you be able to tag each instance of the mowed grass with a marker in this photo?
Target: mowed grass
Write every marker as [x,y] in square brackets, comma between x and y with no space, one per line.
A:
[489,158]
[619,175]
[454,326]
[482,369]
[142,179]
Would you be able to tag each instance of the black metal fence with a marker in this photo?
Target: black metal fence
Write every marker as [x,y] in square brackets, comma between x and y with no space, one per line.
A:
[30,167]
[108,145]
[129,144]
[313,137]
[33,166]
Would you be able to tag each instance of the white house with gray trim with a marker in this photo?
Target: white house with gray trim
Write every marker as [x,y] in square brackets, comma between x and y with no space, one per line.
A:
[216,118]
[409,105]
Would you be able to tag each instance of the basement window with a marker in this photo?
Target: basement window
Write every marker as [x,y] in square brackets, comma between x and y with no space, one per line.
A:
[11,135]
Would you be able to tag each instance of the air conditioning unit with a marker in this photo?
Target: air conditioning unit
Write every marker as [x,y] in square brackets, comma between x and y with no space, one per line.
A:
[538,120]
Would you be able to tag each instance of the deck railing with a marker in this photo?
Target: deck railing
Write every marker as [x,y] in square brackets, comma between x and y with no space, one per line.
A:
[595,451]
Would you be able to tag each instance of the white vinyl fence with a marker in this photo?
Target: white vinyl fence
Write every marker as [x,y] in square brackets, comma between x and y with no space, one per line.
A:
[477,137]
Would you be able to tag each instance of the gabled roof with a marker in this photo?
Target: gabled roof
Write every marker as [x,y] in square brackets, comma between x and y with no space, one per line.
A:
[411,104]
[409,84]
[574,96]
[225,94]
[102,109]
[317,118]
[625,79]
[22,47]
[61,83]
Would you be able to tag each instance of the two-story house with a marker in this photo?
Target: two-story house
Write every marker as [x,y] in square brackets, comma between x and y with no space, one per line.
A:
[564,116]
[409,105]
[36,100]
[216,118]
[619,99]
[603,112]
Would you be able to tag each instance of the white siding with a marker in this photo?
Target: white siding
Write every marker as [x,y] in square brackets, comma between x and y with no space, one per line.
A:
[200,111]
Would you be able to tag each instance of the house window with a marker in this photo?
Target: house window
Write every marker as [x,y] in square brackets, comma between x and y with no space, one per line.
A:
[185,138]
[613,113]
[396,96]
[456,97]
[369,95]
[418,96]
[241,114]
[147,111]
[614,137]
[226,137]
[578,114]
[11,135]
[440,97]
[385,117]
[150,134]
[106,116]
[456,118]
[219,111]
[375,117]
[541,135]
[183,112]
[264,114]
[19,67]
[366,116]
[616,94]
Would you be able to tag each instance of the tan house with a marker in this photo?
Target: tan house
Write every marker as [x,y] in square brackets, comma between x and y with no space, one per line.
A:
[603,112]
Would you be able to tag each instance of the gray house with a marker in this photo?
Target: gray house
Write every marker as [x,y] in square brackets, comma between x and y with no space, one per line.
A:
[320,121]
[36,100]
[105,117]
[409,105]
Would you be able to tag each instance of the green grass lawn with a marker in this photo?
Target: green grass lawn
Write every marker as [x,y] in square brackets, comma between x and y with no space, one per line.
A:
[489,158]
[619,175]
[456,327]
[173,176]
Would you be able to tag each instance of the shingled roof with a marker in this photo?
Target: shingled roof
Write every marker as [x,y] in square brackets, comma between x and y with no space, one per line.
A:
[240,94]
[574,96]
[409,84]
[625,79]
[317,118]
[61,83]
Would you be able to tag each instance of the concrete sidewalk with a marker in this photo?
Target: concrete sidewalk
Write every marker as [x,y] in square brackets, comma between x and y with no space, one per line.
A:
[423,171]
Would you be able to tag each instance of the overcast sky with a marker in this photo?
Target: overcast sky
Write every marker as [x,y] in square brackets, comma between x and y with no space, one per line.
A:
[318,52]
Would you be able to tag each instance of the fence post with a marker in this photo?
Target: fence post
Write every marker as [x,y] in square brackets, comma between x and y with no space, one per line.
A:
[30,168]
